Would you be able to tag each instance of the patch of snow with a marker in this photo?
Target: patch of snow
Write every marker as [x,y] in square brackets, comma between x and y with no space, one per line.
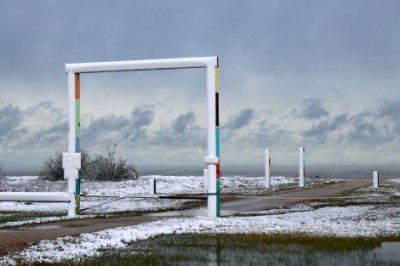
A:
[121,189]
[329,221]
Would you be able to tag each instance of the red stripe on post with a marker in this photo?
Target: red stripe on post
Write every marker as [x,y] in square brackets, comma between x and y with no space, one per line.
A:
[77,87]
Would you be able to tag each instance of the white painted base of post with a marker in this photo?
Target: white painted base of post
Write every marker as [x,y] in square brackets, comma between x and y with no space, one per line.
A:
[205,180]
[71,190]
[72,206]
[302,181]
[212,191]
[375,179]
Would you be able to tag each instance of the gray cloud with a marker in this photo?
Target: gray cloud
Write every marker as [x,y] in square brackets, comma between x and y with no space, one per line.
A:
[103,130]
[322,129]
[46,137]
[183,121]
[389,109]
[183,132]
[267,135]
[142,116]
[312,109]
[368,130]
[10,118]
[240,120]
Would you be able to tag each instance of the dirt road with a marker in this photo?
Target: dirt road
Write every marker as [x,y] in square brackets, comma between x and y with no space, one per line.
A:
[248,204]
[21,237]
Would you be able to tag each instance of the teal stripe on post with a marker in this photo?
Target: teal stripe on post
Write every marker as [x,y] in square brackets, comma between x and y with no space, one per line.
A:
[217,141]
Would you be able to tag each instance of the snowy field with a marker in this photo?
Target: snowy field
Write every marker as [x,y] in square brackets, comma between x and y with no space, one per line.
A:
[165,185]
[371,213]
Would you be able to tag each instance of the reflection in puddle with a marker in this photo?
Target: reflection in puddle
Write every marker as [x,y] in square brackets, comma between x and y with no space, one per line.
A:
[236,250]
[387,251]
[45,227]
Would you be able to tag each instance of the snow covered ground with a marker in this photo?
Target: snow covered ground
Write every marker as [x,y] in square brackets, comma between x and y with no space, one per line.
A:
[364,219]
[165,185]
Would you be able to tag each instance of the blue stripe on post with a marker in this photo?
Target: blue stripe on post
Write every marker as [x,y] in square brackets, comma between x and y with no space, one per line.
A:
[78,144]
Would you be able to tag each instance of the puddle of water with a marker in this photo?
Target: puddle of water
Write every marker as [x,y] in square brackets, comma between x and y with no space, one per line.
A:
[206,250]
[45,227]
[387,251]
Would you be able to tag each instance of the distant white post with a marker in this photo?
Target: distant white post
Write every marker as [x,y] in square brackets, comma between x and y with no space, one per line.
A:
[375,179]
[267,162]
[302,167]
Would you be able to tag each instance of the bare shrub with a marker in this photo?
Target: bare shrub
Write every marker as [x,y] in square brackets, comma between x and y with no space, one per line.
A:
[107,168]
[52,167]
[96,168]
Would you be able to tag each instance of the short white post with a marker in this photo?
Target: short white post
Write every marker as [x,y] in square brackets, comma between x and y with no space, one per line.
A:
[302,169]
[375,178]
[267,162]
[205,180]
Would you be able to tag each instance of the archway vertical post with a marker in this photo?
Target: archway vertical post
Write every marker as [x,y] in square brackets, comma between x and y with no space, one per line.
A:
[69,172]
[77,139]
[212,160]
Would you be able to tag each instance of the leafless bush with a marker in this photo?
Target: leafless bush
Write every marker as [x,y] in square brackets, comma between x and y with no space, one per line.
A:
[52,168]
[97,168]
[107,168]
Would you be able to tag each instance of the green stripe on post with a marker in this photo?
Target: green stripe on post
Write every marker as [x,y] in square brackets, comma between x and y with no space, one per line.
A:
[77,117]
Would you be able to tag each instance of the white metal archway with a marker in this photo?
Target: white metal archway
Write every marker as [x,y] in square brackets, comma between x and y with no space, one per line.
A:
[72,159]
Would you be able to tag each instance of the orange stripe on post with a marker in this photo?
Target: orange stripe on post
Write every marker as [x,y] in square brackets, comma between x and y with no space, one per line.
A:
[77,86]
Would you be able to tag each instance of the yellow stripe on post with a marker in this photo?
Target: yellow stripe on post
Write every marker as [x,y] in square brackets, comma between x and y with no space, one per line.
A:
[216,79]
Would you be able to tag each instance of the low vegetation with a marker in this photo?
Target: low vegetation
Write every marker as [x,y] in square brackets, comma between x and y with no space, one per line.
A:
[98,167]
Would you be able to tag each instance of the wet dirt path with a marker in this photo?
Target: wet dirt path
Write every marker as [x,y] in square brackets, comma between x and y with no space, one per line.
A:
[15,239]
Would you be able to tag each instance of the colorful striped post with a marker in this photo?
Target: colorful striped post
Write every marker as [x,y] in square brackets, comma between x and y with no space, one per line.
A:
[212,160]
[217,143]
[72,159]
[78,138]
[267,162]
[302,167]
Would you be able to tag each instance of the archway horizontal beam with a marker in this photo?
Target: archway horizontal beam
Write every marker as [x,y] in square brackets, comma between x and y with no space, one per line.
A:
[152,64]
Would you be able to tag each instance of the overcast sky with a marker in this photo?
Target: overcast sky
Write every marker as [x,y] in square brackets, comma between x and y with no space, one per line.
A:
[319,74]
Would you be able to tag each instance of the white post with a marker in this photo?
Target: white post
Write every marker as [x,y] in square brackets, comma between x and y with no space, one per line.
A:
[69,173]
[267,162]
[211,160]
[301,167]
[205,181]
[375,177]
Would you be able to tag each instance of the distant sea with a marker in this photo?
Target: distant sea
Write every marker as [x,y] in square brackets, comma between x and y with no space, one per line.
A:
[323,171]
